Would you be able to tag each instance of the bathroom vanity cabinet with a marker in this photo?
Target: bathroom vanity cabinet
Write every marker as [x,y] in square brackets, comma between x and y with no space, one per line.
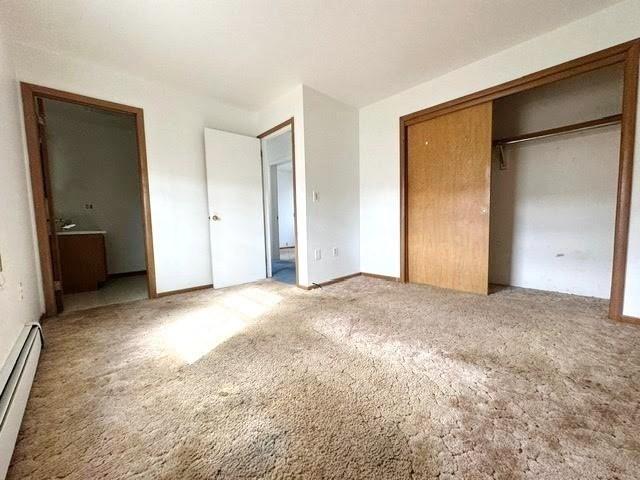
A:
[83,260]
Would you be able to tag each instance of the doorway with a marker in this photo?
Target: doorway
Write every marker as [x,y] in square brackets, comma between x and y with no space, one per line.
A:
[278,170]
[89,181]
[245,234]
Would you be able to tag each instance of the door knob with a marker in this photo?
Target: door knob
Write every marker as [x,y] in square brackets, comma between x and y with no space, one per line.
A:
[215,218]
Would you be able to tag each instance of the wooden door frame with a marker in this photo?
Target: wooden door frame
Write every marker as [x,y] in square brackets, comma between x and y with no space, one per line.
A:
[280,126]
[30,93]
[53,241]
[626,54]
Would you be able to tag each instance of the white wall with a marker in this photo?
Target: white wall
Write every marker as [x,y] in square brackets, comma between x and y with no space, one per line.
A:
[174,122]
[20,295]
[273,238]
[379,127]
[585,97]
[553,213]
[174,125]
[286,234]
[93,159]
[331,153]
[277,147]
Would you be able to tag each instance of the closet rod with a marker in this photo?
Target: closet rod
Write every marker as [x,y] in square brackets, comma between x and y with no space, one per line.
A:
[552,132]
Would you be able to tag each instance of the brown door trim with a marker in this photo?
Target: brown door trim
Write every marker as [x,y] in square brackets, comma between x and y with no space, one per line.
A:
[280,126]
[625,53]
[625,175]
[50,213]
[30,93]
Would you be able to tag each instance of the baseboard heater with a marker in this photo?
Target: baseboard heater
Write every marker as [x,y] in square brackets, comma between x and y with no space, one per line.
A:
[16,378]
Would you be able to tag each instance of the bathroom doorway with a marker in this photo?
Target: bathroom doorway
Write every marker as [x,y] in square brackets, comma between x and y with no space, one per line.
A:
[91,200]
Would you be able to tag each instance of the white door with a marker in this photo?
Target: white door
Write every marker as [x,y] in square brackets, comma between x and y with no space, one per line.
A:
[234,185]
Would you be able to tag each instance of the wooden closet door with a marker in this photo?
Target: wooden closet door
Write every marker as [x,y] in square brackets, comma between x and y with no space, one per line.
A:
[448,189]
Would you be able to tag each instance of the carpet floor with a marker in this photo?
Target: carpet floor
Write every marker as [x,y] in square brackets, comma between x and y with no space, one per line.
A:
[364,379]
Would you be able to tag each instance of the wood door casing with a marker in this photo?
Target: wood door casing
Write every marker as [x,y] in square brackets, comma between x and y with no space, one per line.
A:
[49,205]
[448,193]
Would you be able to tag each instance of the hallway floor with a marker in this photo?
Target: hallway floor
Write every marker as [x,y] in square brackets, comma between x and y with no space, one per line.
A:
[284,270]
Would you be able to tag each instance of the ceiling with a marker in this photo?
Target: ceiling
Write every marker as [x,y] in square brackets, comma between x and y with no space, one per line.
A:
[248,52]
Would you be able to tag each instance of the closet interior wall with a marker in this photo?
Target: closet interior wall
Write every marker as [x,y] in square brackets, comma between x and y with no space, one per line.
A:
[553,199]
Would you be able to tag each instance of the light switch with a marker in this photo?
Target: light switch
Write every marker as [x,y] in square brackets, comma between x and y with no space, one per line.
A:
[316,198]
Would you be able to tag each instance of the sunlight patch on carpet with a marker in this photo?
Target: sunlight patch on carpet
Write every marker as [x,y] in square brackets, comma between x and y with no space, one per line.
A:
[195,333]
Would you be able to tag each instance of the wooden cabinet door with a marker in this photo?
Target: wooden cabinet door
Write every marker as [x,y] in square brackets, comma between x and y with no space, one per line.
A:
[448,189]
[84,262]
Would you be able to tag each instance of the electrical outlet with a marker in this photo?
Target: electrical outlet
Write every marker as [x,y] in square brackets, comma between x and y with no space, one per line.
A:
[335,251]
[317,254]
[20,291]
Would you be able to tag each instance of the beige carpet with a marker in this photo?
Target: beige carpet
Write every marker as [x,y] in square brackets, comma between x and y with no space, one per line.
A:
[362,379]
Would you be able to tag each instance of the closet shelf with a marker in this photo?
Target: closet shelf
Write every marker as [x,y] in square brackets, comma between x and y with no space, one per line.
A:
[552,132]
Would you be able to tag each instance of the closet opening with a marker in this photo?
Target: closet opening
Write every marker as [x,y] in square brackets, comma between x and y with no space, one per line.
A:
[526,184]
[554,180]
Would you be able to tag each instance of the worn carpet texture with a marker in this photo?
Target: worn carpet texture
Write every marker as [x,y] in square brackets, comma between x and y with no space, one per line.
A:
[363,379]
